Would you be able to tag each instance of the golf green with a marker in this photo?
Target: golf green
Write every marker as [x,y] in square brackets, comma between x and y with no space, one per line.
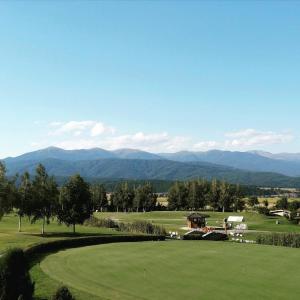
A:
[178,270]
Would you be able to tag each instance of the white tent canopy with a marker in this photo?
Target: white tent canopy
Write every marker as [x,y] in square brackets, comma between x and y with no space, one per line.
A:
[236,219]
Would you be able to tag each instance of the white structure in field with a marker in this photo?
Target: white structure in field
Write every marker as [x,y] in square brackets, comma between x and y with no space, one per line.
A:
[237,219]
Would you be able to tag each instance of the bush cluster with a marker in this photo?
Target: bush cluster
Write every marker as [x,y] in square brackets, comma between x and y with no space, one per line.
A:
[15,281]
[135,227]
[105,223]
[279,239]
[142,227]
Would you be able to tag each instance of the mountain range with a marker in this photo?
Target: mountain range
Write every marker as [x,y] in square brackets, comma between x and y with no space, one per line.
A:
[253,168]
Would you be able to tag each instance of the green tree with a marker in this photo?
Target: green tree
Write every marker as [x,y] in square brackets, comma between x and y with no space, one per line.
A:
[214,195]
[63,293]
[282,203]
[5,192]
[45,197]
[23,200]
[238,204]
[252,201]
[178,196]
[224,199]
[99,198]
[144,197]
[15,281]
[75,202]
[266,203]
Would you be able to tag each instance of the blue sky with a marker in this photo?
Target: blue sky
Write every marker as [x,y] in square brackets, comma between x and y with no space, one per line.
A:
[159,76]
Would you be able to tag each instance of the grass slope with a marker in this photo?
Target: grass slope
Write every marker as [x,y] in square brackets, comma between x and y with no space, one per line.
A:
[10,237]
[177,270]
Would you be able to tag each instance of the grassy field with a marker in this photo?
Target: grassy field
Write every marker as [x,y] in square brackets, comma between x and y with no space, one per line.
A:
[177,270]
[9,236]
[272,201]
[176,220]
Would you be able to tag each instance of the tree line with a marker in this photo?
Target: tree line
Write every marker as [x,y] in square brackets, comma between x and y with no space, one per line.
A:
[39,197]
[198,194]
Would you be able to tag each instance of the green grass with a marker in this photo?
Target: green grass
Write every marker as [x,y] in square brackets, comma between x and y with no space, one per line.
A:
[175,220]
[272,201]
[9,236]
[177,270]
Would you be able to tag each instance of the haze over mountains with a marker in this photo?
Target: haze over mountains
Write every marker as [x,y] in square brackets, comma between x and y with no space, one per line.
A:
[256,167]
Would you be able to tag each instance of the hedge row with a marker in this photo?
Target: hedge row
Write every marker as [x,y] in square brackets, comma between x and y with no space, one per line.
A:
[279,239]
[135,227]
[57,245]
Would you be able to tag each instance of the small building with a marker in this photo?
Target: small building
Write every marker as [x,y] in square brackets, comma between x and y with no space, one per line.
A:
[196,220]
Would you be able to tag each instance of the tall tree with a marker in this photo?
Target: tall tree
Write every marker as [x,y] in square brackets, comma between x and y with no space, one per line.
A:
[75,202]
[23,200]
[45,195]
[178,195]
[5,192]
[224,200]
[144,197]
[214,194]
[99,198]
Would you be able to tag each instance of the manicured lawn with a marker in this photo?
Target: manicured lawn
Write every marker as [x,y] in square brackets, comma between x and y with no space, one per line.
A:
[175,220]
[176,270]
[9,236]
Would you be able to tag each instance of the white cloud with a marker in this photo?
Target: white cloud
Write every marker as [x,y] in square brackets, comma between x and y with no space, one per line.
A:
[77,128]
[250,138]
[148,142]
[206,145]
[91,134]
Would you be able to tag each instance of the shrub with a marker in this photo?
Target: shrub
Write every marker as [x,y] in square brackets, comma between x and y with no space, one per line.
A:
[135,227]
[279,239]
[106,223]
[15,281]
[142,227]
[263,210]
[63,293]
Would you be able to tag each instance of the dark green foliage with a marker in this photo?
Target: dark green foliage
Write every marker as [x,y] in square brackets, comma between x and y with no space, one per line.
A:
[178,196]
[75,202]
[195,195]
[142,227]
[98,196]
[212,236]
[5,191]
[96,222]
[63,293]
[144,198]
[45,197]
[263,210]
[282,203]
[294,205]
[15,281]
[252,201]
[279,239]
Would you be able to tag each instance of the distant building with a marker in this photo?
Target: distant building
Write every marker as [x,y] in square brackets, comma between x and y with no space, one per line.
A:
[196,220]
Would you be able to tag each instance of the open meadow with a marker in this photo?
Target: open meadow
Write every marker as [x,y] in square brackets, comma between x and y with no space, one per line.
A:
[177,270]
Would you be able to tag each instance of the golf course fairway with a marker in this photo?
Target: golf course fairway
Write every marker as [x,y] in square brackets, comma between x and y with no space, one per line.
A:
[178,270]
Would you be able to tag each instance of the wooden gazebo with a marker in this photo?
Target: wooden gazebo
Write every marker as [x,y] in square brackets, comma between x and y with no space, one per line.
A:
[196,220]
